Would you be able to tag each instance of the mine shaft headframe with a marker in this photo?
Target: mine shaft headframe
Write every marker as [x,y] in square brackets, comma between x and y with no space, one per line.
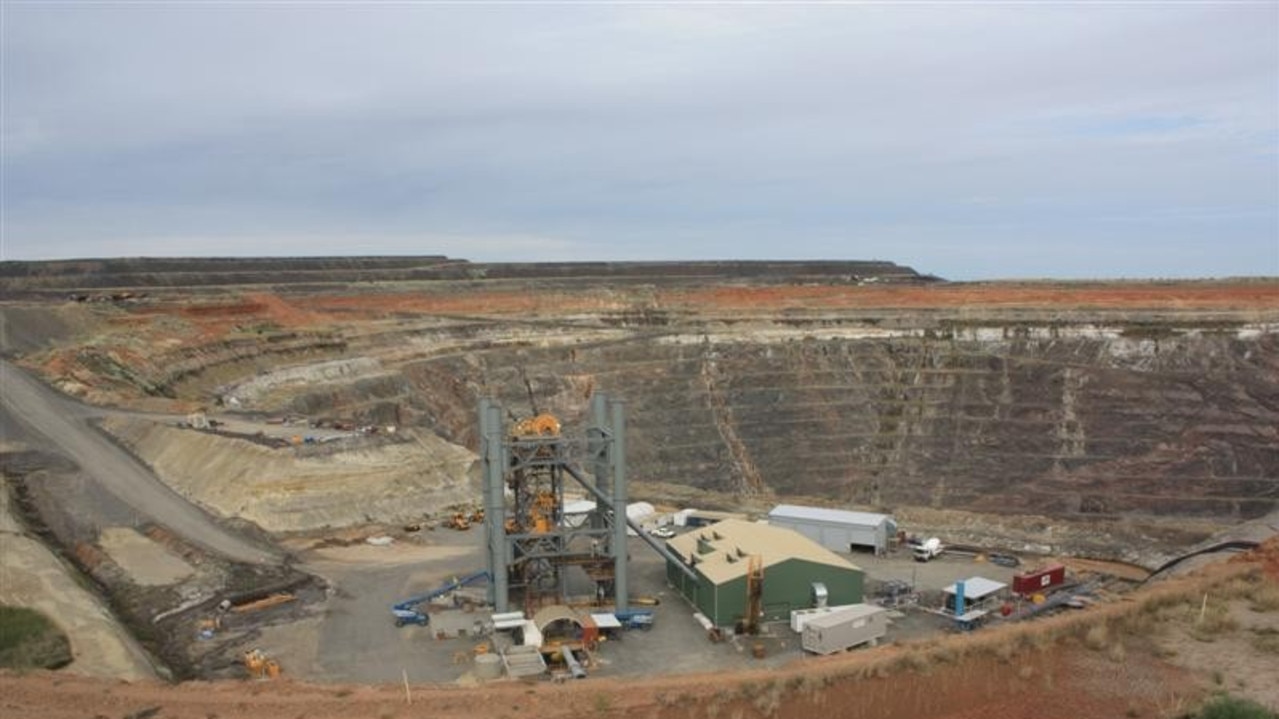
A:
[528,547]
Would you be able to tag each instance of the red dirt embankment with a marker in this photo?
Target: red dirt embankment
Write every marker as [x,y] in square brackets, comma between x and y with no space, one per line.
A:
[209,321]
[725,296]
[1170,296]
[1066,685]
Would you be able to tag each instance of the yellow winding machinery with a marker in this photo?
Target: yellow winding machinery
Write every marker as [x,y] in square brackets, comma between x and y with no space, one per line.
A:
[543,425]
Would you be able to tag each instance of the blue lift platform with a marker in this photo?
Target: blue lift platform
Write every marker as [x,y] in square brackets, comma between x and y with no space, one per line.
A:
[407,612]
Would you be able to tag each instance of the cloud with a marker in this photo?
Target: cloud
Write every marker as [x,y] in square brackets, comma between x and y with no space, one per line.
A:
[650,132]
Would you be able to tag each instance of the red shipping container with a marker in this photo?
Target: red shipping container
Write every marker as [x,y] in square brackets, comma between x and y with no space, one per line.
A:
[1039,580]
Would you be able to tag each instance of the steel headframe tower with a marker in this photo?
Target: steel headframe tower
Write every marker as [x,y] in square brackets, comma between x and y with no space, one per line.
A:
[529,547]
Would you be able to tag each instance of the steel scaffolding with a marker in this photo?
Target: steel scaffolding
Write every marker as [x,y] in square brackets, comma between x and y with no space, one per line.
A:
[530,548]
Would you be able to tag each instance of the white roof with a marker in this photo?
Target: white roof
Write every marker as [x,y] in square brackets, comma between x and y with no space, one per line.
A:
[822,514]
[639,510]
[606,620]
[850,613]
[977,587]
[580,506]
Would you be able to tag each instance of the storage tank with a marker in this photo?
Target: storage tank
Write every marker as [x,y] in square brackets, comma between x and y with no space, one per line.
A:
[488,667]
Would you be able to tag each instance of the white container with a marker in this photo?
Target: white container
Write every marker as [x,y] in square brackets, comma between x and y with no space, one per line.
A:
[800,617]
[837,631]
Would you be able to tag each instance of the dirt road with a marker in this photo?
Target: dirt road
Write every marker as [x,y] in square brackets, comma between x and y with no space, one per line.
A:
[65,425]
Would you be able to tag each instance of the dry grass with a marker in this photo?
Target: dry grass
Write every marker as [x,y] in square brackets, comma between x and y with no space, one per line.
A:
[1097,637]
[769,701]
[1265,598]
[1117,653]
[1266,640]
[1212,620]
[1175,707]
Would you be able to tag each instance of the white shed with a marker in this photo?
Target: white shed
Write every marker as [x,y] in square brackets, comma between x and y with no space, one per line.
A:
[839,530]
[977,592]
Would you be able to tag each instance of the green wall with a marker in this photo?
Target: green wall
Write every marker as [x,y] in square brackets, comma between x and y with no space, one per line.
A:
[787,586]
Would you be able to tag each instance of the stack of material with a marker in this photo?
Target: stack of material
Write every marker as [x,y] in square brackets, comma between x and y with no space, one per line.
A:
[523,662]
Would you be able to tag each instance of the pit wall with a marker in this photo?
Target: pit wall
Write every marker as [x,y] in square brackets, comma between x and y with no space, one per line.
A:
[1064,421]
[1149,413]
[284,490]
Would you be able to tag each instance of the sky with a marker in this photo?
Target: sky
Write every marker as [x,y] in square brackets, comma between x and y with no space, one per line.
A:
[967,140]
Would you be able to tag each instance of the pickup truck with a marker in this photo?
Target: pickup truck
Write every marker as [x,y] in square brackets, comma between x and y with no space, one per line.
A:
[930,548]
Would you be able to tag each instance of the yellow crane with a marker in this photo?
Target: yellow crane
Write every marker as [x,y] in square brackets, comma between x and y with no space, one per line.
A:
[754,594]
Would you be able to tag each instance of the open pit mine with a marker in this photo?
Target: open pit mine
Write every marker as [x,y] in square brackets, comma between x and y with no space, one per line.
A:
[391,486]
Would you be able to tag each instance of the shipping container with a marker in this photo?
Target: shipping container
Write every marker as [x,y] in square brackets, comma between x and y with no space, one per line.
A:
[1039,580]
[845,629]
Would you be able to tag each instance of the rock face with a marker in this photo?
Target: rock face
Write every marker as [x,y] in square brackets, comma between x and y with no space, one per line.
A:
[861,383]
[1044,420]
[289,491]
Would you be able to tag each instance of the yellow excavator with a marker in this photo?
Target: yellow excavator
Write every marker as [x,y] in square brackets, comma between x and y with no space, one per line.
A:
[261,666]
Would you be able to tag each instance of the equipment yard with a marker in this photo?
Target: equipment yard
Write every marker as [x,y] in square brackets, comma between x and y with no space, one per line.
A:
[426,500]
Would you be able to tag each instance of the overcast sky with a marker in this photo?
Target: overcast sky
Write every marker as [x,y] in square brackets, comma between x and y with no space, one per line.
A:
[969,141]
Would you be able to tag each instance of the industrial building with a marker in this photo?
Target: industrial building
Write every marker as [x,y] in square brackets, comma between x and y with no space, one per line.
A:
[721,556]
[838,530]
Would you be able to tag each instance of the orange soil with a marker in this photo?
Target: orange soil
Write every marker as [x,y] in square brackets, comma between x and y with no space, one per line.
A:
[191,324]
[1067,684]
[1171,296]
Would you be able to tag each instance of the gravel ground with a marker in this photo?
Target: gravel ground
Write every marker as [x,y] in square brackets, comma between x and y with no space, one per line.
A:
[357,641]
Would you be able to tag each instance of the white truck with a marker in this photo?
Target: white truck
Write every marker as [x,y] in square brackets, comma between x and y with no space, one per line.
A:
[928,549]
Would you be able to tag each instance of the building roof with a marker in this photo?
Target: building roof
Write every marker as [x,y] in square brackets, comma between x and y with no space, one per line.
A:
[606,620]
[977,587]
[822,514]
[733,541]
[714,514]
[845,614]
[554,613]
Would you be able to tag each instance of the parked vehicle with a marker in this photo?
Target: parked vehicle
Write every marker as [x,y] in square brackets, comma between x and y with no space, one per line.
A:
[636,619]
[407,611]
[662,532]
[931,548]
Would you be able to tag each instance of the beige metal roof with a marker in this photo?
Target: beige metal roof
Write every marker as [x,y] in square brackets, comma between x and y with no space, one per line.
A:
[554,613]
[733,541]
